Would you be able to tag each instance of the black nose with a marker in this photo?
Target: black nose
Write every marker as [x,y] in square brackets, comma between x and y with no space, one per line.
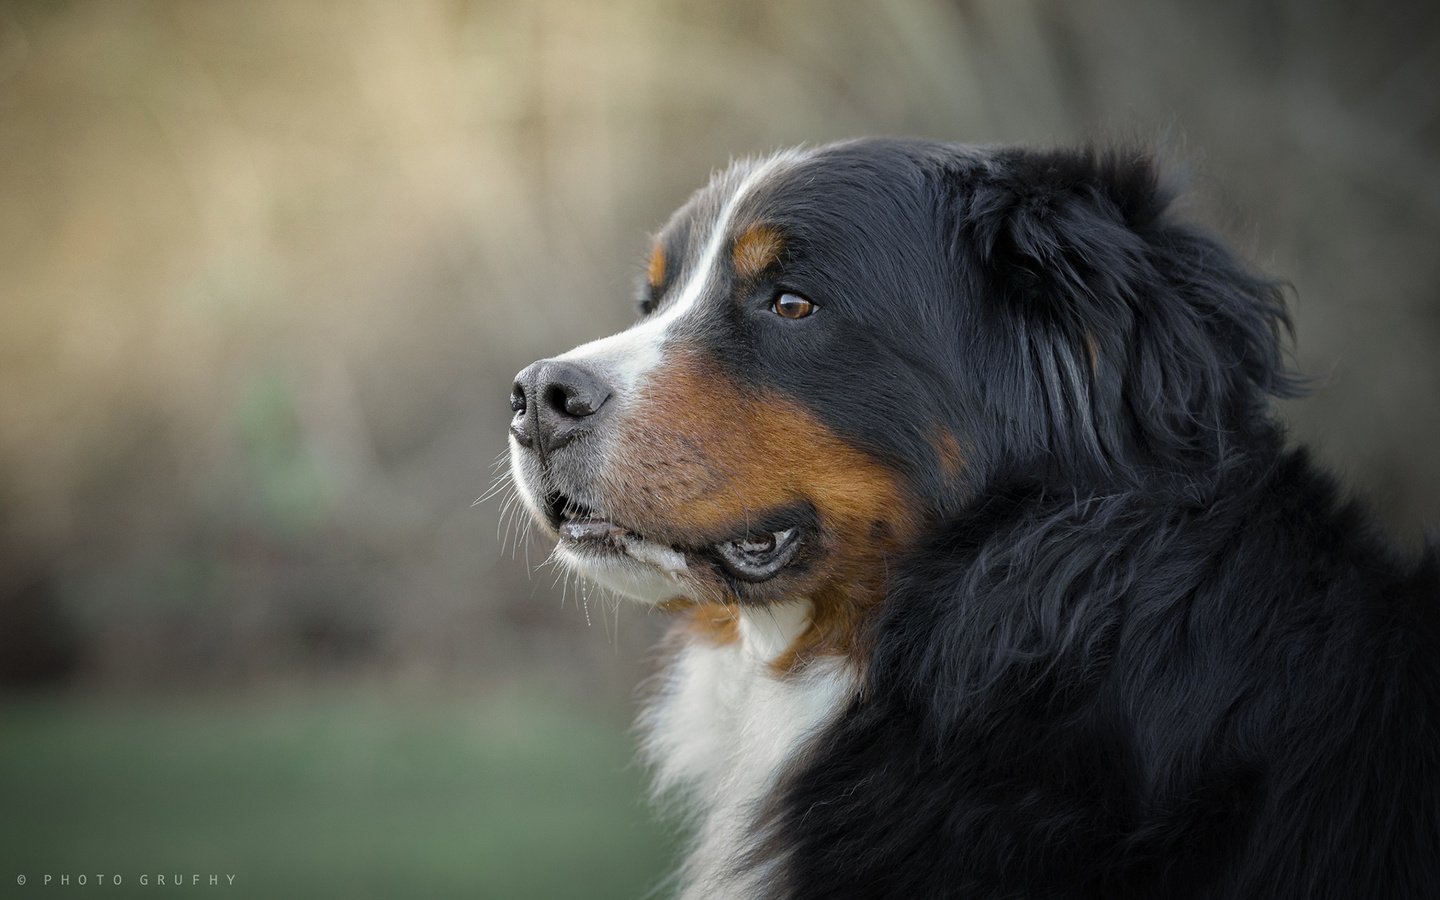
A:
[554,402]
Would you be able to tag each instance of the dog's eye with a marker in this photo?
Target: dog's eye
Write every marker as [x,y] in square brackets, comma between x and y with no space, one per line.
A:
[792,306]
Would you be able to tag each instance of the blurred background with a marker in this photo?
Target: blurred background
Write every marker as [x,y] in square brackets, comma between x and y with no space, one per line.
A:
[266,272]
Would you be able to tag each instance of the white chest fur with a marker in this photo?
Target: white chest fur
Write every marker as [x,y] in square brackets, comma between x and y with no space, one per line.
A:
[722,727]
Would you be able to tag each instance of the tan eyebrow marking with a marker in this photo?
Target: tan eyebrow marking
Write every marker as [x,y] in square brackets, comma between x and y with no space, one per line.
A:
[756,249]
[656,270]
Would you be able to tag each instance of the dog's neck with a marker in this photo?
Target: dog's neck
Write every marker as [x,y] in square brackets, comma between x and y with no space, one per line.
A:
[724,725]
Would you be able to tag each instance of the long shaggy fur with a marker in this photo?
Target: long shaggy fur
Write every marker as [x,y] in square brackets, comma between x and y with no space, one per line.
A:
[1155,654]
[1103,634]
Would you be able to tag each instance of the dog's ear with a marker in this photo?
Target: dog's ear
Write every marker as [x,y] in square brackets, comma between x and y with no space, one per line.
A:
[1125,337]
[1059,232]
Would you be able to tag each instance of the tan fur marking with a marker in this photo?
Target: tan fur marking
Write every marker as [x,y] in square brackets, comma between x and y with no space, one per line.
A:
[947,447]
[718,623]
[1092,349]
[702,454]
[756,249]
[656,270]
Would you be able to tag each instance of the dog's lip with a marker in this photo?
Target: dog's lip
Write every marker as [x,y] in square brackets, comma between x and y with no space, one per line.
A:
[589,531]
[592,530]
[585,531]
[578,522]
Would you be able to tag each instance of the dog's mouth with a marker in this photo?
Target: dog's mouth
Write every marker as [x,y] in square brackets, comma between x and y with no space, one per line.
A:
[749,556]
[588,533]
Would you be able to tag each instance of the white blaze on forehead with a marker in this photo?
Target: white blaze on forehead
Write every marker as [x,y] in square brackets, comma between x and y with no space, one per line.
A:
[624,358]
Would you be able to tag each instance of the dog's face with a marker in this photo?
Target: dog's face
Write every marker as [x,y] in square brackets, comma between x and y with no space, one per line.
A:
[748,438]
[839,345]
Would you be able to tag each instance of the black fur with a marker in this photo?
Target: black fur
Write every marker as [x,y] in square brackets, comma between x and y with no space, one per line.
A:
[1145,650]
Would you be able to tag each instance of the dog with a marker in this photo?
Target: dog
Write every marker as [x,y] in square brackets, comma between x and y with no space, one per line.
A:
[992,575]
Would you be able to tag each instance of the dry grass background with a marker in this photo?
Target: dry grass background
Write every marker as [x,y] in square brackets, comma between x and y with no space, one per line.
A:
[268,268]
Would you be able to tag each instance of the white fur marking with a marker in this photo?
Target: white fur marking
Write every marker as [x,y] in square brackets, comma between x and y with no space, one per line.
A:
[628,356]
[651,581]
[667,559]
[723,728]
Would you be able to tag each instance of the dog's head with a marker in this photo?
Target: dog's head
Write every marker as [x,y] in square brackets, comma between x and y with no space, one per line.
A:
[838,347]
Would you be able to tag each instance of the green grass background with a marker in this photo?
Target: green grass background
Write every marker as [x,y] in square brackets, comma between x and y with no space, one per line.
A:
[334,795]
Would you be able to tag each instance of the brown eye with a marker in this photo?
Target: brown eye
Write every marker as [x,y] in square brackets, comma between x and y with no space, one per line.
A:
[792,306]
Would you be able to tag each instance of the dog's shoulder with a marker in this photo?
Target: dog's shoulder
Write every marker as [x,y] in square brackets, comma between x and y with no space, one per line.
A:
[1140,696]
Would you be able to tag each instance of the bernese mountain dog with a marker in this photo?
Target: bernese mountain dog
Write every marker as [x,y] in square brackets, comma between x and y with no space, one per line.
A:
[992,575]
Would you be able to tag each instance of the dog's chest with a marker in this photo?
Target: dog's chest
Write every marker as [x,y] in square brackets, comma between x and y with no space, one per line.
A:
[725,724]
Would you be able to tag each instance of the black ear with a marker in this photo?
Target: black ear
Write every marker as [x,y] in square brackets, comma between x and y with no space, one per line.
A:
[1060,229]
[1121,339]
